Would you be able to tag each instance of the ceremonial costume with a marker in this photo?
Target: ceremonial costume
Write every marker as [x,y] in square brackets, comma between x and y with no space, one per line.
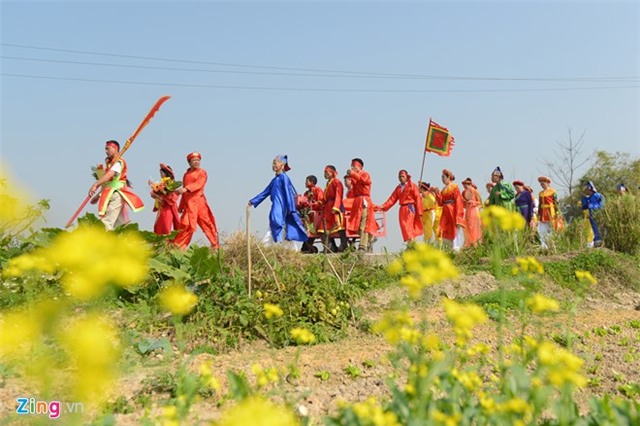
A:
[166,205]
[284,221]
[592,201]
[429,205]
[452,220]
[194,207]
[548,212]
[473,225]
[410,212]
[116,194]
[362,219]
[503,193]
[524,203]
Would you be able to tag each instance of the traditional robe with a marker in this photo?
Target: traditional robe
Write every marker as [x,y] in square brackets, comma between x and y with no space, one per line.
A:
[361,188]
[524,205]
[506,196]
[333,209]
[284,221]
[119,184]
[429,205]
[168,217]
[195,210]
[548,207]
[410,213]
[452,211]
[473,225]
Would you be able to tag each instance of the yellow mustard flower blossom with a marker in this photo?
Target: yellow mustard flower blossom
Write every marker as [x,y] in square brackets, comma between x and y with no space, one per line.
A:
[90,259]
[540,304]
[176,299]
[586,277]
[424,266]
[390,325]
[302,336]
[20,330]
[14,199]
[257,411]
[93,345]
[529,265]
[370,413]
[561,366]
[271,310]
[446,419]
[463,316]
[499,218]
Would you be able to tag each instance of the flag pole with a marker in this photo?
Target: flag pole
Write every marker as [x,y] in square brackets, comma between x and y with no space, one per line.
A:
[424,154]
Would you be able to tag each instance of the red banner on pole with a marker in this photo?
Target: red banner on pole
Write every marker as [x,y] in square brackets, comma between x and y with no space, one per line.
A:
[439,140]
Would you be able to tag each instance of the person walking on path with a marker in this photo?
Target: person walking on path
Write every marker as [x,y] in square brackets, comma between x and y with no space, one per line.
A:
[410,213]
[194,206]
[284,221]
[115,194]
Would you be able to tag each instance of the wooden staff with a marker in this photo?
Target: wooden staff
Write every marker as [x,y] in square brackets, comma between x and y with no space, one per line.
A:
[249,249]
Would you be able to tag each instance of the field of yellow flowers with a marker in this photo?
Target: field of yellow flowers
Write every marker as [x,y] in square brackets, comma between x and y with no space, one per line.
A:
[118,328]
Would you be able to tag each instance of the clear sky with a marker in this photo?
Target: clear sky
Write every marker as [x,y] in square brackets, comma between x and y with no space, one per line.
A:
[321,82]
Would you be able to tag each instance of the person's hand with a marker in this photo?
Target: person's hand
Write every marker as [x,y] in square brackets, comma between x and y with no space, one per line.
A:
[249,204]
[93,190]
[94,200]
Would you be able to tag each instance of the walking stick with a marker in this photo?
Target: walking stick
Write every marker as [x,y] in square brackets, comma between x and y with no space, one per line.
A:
[249,249]
[142,125]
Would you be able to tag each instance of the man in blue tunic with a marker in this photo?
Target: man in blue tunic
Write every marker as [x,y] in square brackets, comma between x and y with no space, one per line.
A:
[592,200]
[284,221]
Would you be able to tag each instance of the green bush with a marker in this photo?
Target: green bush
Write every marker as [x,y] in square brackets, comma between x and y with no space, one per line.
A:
[620,223]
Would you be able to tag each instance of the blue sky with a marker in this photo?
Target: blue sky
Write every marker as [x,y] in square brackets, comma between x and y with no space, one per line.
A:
[321,82]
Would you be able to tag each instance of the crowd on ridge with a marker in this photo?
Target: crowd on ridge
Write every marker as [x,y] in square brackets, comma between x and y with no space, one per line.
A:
[344,207]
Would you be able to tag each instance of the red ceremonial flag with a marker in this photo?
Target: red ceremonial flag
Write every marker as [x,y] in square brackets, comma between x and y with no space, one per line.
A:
[438,140]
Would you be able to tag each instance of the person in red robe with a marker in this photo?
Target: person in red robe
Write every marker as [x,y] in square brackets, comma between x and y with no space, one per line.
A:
[407,195]
[115,194]
[472,202]
[361,220]
[333,211]
[452,220]
[194,207]
[166,203]
[310,211]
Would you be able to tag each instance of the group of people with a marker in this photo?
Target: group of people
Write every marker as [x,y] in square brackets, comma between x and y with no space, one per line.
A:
[449,215]
[113,194]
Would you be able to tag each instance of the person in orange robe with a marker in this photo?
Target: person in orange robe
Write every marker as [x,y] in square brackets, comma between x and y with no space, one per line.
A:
[333,210]
[166,204]
[361,220]
[410,213]
[452,220]
[194,207]
[116,194]
[472,201]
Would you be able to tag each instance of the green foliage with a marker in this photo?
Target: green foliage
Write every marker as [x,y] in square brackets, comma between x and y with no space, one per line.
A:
[598,262]
[620,222]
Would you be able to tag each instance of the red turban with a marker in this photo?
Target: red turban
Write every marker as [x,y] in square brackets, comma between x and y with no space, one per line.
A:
[448,173]
[544,179]
[194,154]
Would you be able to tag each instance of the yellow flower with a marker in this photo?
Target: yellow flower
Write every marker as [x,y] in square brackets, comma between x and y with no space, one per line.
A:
[585,277]
[463,316]
[90,259]
[539,304]
[529,265]
[94,348]
[176,299]
[257,411]
[271,310]
[391,324]
[499,218]
[14,200]
[561,366]
[20,330]
[302,336]
[425,266]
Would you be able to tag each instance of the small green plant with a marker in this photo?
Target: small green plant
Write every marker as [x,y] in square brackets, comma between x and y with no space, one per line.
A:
[353,371]
[323,375]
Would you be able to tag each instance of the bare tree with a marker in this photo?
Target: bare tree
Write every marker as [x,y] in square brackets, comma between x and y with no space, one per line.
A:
[566,162]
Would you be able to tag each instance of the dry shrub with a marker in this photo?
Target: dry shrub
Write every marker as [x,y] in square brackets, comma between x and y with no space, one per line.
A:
[235,253]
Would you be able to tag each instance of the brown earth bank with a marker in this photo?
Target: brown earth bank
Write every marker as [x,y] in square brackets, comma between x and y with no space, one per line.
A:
[603,329]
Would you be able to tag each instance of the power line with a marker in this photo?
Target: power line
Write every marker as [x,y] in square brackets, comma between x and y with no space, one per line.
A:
[311,89]
[316,70]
